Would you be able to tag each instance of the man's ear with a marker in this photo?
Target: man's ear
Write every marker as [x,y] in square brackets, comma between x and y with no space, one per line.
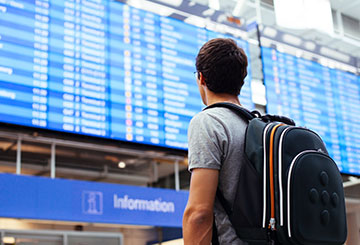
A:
[202,79]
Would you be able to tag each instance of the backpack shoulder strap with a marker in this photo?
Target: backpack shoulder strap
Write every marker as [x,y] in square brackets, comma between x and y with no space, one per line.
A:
[241,111]
[215,238]
[247,115]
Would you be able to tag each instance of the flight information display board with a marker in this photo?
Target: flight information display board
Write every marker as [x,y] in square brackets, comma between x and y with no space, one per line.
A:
[101,68]
[318,97]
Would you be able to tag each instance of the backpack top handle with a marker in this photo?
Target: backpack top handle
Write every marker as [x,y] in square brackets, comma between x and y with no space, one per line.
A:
[278,118]
[246,114]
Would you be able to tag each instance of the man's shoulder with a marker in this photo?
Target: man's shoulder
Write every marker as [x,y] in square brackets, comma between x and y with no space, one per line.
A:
[213,113]
[216,115]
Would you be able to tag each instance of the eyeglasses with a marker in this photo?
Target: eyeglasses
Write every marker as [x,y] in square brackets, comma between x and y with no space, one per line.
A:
[196,75]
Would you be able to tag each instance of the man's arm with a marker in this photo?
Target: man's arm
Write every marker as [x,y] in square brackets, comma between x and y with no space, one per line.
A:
[198,215]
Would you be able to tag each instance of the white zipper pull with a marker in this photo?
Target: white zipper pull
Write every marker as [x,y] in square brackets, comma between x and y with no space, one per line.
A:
[272,224]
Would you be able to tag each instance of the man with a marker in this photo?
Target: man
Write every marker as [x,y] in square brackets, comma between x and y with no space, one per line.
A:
[215,137]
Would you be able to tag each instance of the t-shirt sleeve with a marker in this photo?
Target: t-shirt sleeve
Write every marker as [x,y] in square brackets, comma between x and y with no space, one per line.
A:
[206,136]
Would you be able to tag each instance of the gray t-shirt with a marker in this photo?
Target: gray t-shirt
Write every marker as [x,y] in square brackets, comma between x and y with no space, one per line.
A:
[216,141]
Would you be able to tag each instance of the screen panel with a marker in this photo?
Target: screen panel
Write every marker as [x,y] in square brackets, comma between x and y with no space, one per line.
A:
[318,97]
[102,69]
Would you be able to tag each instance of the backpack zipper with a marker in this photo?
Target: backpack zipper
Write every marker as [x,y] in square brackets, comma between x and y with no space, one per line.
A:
[281,196]
[271,176]
[281,191]
[288,185]
[264,172]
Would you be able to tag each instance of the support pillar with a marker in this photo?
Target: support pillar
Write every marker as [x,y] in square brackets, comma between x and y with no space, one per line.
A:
[52,161]
[18,156]
[177,178]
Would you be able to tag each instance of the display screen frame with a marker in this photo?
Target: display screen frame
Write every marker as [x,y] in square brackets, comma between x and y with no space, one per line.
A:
[132,144]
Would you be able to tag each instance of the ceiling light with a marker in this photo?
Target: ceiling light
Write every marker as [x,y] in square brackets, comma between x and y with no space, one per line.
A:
[310,45]
[175,3]
[8,239]
[195,20]
[335,54]
[292,39]
[304,14]
[122,164]
[214,4]
[270,32]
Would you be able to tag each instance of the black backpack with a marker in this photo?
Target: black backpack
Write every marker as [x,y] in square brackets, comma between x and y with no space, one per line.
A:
[290,191]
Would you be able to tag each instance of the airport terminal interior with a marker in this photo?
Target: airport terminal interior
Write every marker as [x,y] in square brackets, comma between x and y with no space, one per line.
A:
[96,97]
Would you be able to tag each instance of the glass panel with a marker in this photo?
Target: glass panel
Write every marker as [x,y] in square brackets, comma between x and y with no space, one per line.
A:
[82,240]
[34,239]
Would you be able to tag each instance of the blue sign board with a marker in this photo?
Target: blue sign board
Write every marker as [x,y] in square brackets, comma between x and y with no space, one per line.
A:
[29,197]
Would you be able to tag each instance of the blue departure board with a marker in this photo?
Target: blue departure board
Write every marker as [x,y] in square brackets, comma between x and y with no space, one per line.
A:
[101,68]
[320,98]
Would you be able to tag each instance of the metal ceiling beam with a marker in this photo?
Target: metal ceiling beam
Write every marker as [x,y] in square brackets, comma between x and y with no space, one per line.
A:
[349,6]
[90,146]
[7,149]
[340,22]
[84,173]
[352,181]
[238,7]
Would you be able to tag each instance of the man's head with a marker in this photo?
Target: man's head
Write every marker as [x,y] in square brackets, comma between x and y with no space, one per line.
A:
[223,65]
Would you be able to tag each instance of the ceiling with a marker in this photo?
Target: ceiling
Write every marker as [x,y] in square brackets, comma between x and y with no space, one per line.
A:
[348,43]
[348,7]
[87,159]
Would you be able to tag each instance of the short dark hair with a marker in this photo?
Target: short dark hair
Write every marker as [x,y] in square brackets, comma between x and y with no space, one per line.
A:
[223,65]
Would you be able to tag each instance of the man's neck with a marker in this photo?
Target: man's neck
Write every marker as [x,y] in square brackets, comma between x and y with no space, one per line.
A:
[213,98]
